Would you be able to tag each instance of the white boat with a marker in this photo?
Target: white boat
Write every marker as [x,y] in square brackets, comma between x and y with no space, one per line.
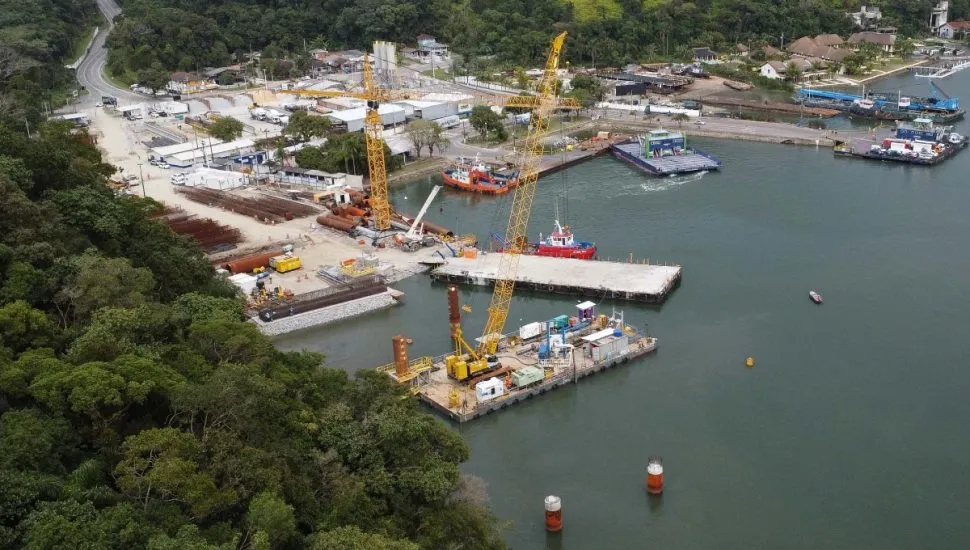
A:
[815,296]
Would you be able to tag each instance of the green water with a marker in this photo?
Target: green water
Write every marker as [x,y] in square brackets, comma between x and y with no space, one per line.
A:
[850,431]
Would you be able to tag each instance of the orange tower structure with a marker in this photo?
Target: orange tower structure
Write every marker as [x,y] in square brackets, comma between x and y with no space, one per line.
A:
[400,355]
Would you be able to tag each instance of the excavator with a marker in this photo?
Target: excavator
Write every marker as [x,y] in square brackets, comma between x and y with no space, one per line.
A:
[467,362]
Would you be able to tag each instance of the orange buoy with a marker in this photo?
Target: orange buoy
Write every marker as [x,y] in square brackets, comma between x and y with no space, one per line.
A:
[655,475]
[553,514]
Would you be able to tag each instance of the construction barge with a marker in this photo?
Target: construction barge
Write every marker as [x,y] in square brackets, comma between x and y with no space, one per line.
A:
[664,153]
[637,282]
[538,358]
[920,143]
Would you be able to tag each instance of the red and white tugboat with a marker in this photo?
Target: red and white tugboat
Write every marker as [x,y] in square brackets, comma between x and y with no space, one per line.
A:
[561,244]
[815,296]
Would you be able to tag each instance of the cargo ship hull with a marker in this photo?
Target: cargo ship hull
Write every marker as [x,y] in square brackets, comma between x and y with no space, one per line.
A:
[488,188]
[480,177]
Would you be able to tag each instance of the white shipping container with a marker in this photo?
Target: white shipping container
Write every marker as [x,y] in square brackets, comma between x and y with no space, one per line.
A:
[448,121]
[487,390]
[530,331]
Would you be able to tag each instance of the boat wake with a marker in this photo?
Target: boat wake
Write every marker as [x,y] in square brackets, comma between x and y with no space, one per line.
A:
[671,181]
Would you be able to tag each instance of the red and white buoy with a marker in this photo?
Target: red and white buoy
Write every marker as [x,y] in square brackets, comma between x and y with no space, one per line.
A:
[655,475]
[553,513]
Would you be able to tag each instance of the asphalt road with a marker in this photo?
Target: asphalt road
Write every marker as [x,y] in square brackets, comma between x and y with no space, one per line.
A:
[90,73]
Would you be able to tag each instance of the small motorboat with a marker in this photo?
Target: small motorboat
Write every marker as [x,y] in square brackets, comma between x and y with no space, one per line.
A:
[815,296]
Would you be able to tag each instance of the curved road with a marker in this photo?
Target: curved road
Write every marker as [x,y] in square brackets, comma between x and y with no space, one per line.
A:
[90,73]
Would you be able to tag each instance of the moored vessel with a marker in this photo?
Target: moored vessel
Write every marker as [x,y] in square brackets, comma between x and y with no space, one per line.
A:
[663,153]
[480,177]
[562,244]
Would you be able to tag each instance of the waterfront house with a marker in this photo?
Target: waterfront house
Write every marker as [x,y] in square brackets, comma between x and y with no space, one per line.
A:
[884,41]
[704,55]
[820,48]
[775,70]
[954,29]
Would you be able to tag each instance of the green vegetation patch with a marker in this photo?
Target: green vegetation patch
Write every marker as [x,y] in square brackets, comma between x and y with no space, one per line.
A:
[595,10]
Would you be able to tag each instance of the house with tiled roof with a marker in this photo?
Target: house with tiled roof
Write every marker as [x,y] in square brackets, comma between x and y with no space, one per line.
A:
[954,29]
[885,41]
[829,40]
[771,51]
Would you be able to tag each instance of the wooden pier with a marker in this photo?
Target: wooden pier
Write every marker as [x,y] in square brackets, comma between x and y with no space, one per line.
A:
[596,279]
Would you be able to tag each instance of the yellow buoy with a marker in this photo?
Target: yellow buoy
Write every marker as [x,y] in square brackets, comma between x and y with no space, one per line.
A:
[749,361]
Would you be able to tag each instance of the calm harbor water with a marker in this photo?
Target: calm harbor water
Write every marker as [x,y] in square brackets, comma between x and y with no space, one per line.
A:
[850,431]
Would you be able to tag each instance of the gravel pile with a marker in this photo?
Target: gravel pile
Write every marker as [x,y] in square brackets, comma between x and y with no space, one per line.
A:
[326,315]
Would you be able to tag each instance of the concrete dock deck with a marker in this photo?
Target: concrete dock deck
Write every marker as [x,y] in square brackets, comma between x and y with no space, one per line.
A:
[592,278]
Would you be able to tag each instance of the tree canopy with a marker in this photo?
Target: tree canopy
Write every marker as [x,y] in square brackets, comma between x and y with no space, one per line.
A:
[37,39]
[192,34]
[345,152]
[487,122]
[226,128]
[305,126]
[139,409]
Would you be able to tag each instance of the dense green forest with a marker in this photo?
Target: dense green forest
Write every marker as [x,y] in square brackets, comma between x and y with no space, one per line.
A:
[139,410]
[191,34]
[37,38]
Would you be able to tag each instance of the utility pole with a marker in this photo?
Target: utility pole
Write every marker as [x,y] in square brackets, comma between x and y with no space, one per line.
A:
[142,178]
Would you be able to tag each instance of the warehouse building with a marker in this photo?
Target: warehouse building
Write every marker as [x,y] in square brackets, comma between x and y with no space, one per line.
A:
[427,110]
[353,119]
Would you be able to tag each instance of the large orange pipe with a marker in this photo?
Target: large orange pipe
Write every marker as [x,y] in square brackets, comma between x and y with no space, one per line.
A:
[454,311]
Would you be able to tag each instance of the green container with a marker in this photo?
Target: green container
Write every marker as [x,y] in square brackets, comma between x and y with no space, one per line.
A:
[525,376]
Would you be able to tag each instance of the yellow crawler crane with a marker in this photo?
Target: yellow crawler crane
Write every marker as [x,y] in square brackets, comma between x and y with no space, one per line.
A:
[543,103]
[466,366]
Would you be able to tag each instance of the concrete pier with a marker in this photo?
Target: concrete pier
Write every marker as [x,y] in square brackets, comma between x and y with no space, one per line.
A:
[591,278]
[330,314]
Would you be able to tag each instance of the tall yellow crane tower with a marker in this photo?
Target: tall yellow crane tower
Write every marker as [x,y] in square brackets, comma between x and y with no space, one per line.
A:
[373,128]
[516,233]
[542,104]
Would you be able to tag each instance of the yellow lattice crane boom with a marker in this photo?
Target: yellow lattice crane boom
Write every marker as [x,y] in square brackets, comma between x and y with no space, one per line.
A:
[373,138]
[516,234]
[374,126]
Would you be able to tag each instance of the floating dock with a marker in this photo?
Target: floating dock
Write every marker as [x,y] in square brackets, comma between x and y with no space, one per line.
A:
[593,278]
[529,364]
[662,153]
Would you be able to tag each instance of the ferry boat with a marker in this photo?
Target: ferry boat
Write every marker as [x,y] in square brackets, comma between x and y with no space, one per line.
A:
[663,153]
[561,244]
[480,177]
